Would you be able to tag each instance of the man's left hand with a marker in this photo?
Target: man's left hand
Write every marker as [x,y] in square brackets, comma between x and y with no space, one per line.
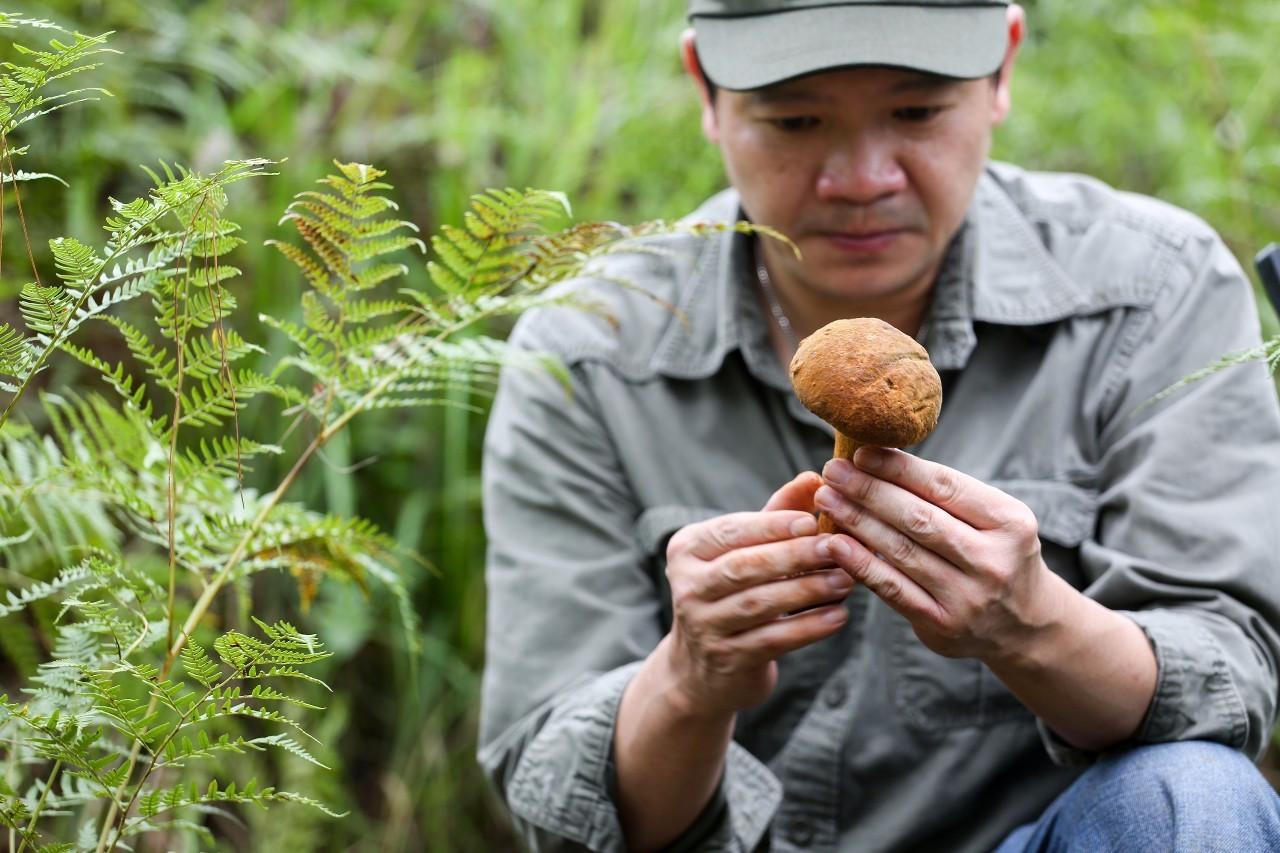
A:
[958,558]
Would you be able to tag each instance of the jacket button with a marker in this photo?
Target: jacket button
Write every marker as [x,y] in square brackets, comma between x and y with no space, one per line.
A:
[801,833]
[835,694]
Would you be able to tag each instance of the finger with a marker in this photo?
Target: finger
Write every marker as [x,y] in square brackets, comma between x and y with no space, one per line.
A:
[907,520]
[753,607]
[934,574]
[745,568]
[772,640]
[707,540]
[964,497]
[797,495]
[891,586]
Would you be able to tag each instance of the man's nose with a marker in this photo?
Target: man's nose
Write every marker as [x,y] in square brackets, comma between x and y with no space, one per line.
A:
[861,171]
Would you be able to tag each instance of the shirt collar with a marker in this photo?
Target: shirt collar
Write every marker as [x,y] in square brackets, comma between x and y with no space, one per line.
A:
[996,270]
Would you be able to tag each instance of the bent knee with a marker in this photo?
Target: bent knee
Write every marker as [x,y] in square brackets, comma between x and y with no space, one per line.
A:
[1185,784]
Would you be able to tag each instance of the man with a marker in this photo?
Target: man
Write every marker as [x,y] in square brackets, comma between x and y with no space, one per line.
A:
[1052,625]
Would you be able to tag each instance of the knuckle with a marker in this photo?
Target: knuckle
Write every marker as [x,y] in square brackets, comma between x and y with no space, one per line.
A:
[863,562]
[727,532]
[945,486]
[752,605]
[733,571]
[919,521]
[902,550]
[891,590]
[1020,522]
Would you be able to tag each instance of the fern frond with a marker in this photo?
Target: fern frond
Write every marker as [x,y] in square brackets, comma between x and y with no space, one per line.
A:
[198,664]
[211,402]
[45,309]
[342,233]
[163,800]
[159,365]
[77,264]
[220,456]
[192,309]
[181,750]
[22,86]
[68,580]
[21,176]
[489,249]
[16,352]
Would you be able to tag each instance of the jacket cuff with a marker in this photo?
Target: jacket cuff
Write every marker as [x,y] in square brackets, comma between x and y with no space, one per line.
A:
[1196,697]
[565,781]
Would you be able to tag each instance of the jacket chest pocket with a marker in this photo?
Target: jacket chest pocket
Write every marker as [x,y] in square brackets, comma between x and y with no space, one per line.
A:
[932,692]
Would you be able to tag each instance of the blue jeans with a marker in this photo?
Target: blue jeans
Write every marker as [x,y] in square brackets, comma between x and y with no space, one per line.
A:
[1189,796]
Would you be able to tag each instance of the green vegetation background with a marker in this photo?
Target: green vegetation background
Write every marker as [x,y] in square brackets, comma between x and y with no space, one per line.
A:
[1176,98]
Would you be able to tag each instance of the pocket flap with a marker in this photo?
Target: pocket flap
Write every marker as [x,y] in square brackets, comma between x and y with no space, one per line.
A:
[1066,513]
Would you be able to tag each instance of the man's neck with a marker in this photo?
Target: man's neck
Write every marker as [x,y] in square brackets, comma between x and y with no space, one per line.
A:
[811,311]
[807,310]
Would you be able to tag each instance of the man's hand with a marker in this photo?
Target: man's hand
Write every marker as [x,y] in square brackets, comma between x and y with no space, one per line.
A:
[961,561]
[958,558]
[734,580]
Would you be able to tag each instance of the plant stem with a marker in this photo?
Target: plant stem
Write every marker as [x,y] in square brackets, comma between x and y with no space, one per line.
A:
[35,815]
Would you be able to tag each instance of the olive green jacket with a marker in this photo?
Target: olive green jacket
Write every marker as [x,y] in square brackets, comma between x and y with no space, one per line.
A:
[1062,306]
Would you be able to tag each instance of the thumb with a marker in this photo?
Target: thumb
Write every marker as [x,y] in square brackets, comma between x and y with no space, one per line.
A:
[797,494]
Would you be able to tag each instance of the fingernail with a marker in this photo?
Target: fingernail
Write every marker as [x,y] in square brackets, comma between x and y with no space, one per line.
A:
[839,548]
[826,498]
[804,526]
[839,581]
[837,470]
[869,458]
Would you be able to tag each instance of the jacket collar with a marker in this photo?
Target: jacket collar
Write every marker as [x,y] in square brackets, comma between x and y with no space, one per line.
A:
[997,270]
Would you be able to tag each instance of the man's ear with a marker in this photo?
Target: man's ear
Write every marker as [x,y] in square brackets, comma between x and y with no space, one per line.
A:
[689,56]
[1017,30]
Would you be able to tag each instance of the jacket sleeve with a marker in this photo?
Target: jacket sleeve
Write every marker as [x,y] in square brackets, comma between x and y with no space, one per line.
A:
[1187,542]
[572,612]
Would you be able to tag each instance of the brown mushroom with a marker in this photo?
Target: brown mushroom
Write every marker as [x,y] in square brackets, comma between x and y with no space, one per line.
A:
[871,382]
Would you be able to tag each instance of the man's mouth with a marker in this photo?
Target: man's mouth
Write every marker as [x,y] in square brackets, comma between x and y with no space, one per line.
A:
[869,240]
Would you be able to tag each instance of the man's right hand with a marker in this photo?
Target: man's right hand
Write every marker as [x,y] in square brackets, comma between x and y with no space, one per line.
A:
[734,581]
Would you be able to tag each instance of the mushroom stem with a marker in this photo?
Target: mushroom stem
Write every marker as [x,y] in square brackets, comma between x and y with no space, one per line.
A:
[845,448]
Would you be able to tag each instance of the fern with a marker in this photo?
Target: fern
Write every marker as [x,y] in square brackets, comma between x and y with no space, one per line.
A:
[126,515]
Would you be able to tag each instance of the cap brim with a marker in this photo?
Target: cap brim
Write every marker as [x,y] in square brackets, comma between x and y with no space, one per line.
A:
[748,52]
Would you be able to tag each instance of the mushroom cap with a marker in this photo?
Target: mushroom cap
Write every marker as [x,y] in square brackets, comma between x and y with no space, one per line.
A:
[869,381]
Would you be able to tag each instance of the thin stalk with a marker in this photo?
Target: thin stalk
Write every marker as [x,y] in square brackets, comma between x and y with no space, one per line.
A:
[35,815]
[173,454]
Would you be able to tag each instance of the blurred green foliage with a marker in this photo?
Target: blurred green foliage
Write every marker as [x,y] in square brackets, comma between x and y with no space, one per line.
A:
[1175,98]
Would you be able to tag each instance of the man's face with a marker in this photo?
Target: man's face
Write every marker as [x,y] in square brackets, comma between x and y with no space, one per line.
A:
[869,170]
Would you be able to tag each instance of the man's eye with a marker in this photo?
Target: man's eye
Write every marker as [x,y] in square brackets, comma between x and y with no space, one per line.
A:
[916,114]
[792,124]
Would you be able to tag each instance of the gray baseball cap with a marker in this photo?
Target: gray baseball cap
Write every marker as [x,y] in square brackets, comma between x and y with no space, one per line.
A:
[745,44]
